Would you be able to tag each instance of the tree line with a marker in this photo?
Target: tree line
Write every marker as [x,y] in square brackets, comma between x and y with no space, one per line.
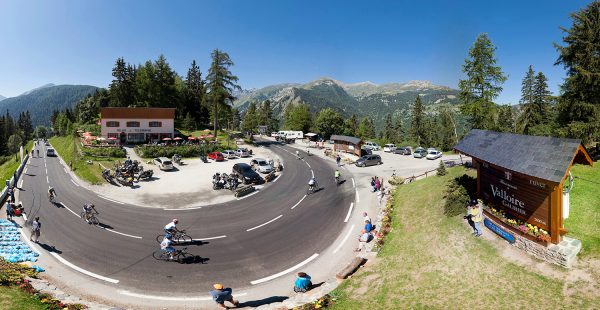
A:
[14,133]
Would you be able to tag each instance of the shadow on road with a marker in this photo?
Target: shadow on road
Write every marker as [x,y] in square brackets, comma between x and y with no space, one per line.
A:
[196,259]
[50,248]
[105,226]
[261,302]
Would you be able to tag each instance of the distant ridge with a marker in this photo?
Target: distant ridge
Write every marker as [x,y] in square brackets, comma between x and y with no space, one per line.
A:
[2,97]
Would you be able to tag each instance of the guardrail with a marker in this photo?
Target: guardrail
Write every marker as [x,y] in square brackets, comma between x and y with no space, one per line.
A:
[13,181]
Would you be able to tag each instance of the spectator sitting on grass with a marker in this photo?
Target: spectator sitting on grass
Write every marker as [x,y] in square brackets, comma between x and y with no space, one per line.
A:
[302,283]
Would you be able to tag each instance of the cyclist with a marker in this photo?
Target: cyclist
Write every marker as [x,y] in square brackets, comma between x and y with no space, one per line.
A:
[51,193]
[38,152]
[337,176]
[297,154]
[167,245]
[87,210]
[312,183]
[171,228]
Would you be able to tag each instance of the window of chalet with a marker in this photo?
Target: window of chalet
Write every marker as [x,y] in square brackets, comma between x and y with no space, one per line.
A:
[112,124]
[133,124]
[155,124]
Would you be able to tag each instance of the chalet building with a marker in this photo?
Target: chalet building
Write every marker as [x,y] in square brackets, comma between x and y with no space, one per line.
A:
[347,144]
[134,125]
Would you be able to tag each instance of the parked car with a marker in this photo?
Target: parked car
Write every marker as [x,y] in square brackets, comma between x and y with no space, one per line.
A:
[431,149]
[261,165]
[47,143]
[229,154]
[274,134]
[50,152]
[216,156]
[371,145]
[163,163]
[389,147]
[246,173]
[408,150]
[369,160]
[434,155]
[243,152]
[420,153]
[400,151]
[364,152]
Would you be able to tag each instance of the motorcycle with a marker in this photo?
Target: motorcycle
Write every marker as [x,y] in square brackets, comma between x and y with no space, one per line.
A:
[203,158]
[107,176]
[146,174]
[125,181]
[177,159]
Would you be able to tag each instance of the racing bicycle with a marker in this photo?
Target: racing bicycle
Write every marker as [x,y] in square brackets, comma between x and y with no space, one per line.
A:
[179,237]
[180,256]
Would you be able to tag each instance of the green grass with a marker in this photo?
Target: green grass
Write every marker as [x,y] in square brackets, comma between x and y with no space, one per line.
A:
[67,149]
[584,218]
[222,137]
[8,168]
[430,261]
[13,298]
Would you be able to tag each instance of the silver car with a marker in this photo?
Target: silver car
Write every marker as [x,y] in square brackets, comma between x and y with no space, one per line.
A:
[229,154]
[261,165]
[163,163]
[242,152]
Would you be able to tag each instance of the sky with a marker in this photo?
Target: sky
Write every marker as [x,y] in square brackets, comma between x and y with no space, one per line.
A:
[271,42]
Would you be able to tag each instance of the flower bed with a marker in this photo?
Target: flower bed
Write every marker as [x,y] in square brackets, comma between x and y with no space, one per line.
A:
[152,151]
[536,233]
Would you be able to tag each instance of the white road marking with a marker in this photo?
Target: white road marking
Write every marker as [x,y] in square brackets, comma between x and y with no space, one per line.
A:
[121,203]
[25,171]
[120,233]
[349,212]
[62,204]
[298,202]
[46,170]
[89,273]
[312,173]
[254,193]
[345,239]
[74,182]
[154,297]
[194,208]
[20,184]
[308,164]
[357,197]
[66,171]
[275,180]
[353,184]
[25,217]
[48,181]
[269,222]
[211,238]
[306,261]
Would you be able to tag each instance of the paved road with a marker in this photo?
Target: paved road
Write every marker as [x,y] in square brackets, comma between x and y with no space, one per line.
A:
[237,259]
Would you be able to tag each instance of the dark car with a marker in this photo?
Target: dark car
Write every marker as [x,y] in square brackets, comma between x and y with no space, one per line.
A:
[400,151]
[217,156]
[246,173]
[364,152]
[369,160]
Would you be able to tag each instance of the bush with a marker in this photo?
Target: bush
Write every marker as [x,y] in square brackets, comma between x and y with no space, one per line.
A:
[152,151]
[458,193]
[441,170]
[117,152]
[396,180]
[11,273]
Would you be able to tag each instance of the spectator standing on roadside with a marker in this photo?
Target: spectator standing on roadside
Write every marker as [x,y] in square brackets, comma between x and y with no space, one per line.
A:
[9,210]
[302,283]
[338,159]
[468,217]
[477,217]
[220,295]
[380,195]
[377,184]
[35,229]
[11,191]
[368,226]
[366,217]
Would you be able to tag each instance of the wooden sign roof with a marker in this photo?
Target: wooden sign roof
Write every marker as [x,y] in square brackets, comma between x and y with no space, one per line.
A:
[138,113]
[352,140]
[546,158]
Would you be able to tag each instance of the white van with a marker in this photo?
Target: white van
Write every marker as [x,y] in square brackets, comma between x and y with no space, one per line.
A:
[294,135]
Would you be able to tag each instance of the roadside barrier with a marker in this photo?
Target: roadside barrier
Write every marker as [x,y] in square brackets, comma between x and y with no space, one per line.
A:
[244,190]
[13,181]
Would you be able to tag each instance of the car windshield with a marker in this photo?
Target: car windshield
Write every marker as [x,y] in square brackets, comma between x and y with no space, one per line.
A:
[166,162]
[262,163]
[244,168]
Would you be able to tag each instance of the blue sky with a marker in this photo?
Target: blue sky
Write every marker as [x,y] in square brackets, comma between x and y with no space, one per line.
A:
[77,42]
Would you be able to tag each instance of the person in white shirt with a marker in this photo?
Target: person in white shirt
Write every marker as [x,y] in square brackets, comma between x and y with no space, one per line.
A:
[171,228]
[167,245]
[366,217]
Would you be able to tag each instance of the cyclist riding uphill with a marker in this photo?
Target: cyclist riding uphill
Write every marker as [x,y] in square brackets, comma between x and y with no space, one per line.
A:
[167,245]
[337,176]
[87,210]
[171,228]
[312,182]
[51,192]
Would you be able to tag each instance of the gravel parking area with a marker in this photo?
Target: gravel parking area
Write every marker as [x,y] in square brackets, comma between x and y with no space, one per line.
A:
[187,186]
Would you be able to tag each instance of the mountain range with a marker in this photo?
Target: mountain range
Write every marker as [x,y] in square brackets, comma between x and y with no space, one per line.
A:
[362,99]
[2,97]
[41,101]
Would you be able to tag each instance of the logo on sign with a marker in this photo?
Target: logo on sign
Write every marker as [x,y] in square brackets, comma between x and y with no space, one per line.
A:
[508,175]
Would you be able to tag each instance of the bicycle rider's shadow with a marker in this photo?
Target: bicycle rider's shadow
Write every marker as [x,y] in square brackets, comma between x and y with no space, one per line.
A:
[341,182]
[196,259]
[105,226]
[57,204]
[49,248]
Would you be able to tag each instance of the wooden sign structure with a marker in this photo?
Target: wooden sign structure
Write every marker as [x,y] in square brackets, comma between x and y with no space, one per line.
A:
[524,175]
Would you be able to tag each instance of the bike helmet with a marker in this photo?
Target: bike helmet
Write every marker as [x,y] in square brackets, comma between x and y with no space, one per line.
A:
[175,221]
[168,236]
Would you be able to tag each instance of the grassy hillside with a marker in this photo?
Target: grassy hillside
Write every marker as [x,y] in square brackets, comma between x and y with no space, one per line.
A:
[11,165]
[431,261]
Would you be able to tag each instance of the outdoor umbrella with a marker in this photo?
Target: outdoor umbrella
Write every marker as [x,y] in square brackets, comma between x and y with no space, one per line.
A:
[101,139]
[201,137]
[112,138]
[178,138]
[167,139]
[211,136]
[191,138]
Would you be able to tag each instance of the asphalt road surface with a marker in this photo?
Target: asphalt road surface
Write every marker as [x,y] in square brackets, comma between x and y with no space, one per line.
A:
[123,249]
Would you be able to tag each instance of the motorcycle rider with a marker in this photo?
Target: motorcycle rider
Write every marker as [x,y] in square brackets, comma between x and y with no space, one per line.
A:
[312,182]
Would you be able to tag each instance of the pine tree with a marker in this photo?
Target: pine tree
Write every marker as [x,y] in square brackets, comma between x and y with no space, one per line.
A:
[366,130]
[541,97]
[194,90]
[579,105]
[389,130]
[528,118]
[417,123]
[122,87]
[250,119]
[482,85]
[441,170]
[505,122]
[447,133]
[329,122]
[398,131]
[188,122]
[220,83]
[351,126]
[298,117]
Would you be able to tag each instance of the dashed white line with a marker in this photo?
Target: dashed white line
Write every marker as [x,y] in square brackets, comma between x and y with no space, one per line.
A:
[25,217]
[275,180]
[349,212]
[74,183]
[20,185]
[312,173]
[353,184]
[210,238]
[62,204]
[254,193]
[48,181]
[306,261]
[120,233]
[66,171]
[25,171]
[308,164]
[345,239]
[298,202]
[194,208]
[357,197]
[170,298]
[89,273]
[269,222]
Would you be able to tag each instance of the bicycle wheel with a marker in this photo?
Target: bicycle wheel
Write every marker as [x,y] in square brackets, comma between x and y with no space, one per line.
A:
[82,215]
[184,257]
[160,255]
[160,238]
[94,220]
[184,238]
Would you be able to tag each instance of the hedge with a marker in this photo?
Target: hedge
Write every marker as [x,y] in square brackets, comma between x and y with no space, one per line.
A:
[151,151]
[116,152]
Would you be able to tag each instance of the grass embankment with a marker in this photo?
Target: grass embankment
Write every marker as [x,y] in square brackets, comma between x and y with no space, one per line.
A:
[67,148]
[430,260]
[13,298]
[584,218]
[8,168]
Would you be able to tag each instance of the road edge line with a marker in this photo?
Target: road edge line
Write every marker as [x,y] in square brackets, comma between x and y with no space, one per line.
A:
[349,212]
[344,240]
[88,273]
[269,222]
[277,275]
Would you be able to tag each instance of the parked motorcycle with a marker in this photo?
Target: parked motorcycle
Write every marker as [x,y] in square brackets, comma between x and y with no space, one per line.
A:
[146,174]
[125,181]
[177,159]
[108,176]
